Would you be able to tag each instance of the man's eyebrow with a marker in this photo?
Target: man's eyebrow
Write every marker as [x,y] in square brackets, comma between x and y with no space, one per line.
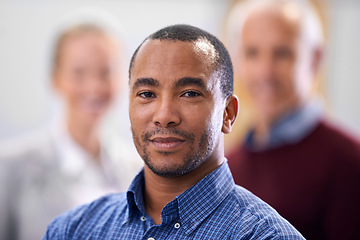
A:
[146,82]
[191,81]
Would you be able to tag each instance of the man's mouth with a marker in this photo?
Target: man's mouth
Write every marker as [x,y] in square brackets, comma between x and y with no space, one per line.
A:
[166,143]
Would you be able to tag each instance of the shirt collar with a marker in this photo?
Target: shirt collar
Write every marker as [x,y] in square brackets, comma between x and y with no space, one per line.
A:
[191,206]
[291,128]
[135,196]
[199,201]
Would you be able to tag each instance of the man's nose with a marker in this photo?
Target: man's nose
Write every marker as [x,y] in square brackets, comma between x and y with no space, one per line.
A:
[166,113]
[265,69]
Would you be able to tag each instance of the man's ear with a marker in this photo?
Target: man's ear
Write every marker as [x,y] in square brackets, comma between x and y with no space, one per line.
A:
[230,113]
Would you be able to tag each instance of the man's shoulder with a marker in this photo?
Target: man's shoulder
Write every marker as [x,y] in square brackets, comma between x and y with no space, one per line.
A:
[333,137]
[340,133]
[249,204]
[88,217]
[257,218]
[103,205]
[339,139]
[99,209]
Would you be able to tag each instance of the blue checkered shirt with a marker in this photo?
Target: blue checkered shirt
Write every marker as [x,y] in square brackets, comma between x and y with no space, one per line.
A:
[214,208]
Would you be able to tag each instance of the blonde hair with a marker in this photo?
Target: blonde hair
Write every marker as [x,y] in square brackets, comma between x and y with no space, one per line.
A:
[84,21]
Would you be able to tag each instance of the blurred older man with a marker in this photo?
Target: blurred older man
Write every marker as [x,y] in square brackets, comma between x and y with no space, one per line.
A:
[294,159]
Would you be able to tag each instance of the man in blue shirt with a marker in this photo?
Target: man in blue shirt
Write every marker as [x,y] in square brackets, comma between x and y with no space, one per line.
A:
[181,104]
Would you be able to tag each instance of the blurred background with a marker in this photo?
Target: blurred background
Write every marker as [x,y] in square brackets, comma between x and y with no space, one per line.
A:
[27,30]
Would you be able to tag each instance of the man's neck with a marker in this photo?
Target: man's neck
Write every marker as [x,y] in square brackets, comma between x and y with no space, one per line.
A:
[160,190]
[262,133]
[265,123]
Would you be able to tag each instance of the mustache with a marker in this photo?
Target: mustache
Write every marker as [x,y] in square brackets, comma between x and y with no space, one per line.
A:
[168,132]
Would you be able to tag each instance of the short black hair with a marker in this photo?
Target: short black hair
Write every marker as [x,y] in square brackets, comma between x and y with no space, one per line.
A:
[186,33]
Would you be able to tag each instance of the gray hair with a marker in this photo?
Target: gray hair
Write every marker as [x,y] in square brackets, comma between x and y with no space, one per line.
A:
[310,24]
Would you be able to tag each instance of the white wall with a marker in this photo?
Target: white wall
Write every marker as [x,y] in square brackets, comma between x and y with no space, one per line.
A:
[343,72]
[26,31]
[27,26]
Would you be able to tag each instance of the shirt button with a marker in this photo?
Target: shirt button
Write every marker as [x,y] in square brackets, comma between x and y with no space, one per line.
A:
[143,218]
[177,225]
[151,238]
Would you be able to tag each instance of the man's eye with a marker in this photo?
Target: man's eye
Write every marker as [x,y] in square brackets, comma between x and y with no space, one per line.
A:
[283,53]
[191,94]
[250,53]
[146,95]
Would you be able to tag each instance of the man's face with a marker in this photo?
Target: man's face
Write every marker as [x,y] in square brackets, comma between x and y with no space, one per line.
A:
[275,67]
[87,75]
[176,106]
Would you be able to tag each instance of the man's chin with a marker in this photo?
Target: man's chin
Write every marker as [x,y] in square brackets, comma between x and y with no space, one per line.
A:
[168,170]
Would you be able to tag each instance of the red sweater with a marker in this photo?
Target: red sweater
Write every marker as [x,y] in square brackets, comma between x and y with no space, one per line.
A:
[314,184]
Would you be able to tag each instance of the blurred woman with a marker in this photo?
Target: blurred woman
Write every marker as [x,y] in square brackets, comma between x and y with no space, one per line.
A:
[67,164]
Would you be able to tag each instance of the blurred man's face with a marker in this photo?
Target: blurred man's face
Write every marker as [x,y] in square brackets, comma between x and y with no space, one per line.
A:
[176,106]
[275,65]
[87,75]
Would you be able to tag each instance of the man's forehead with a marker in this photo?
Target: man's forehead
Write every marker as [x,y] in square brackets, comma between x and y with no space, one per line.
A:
[175,55]
[271,29]
[201,47]
[286,15]
[200,67]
